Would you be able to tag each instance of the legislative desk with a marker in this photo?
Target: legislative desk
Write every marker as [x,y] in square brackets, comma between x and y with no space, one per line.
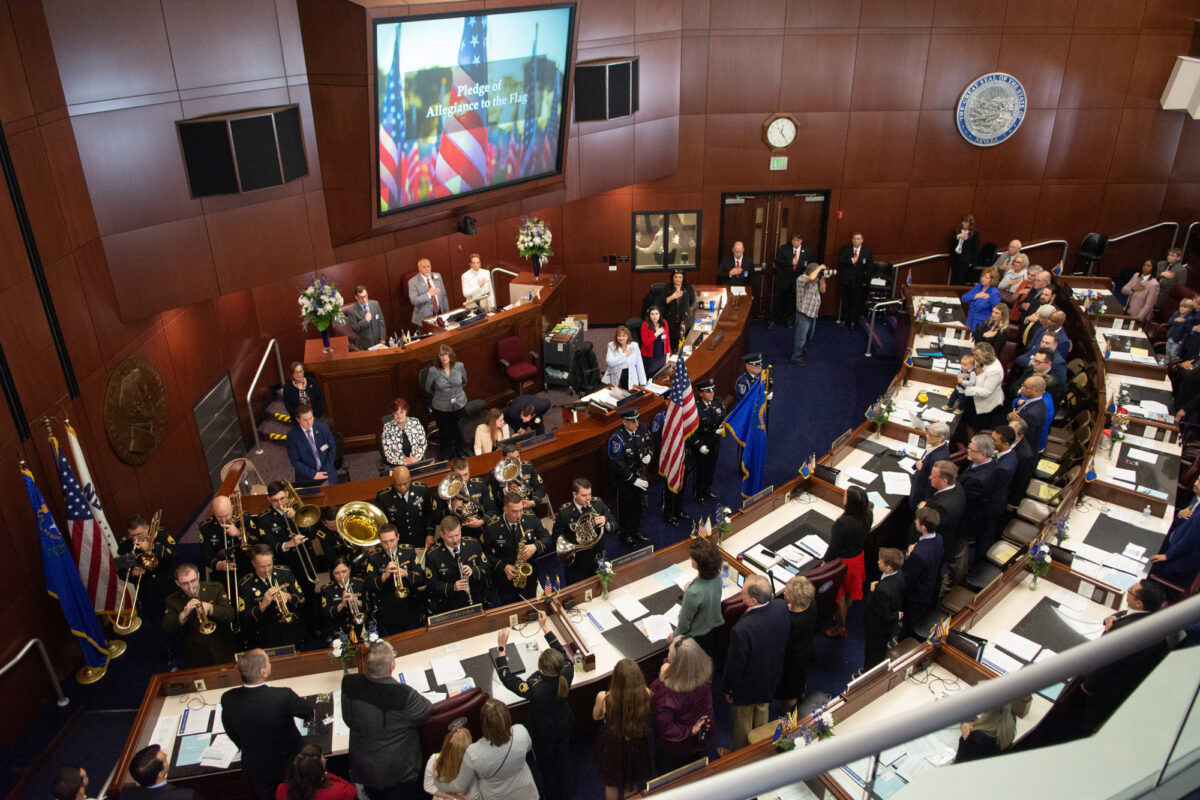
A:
[360,385]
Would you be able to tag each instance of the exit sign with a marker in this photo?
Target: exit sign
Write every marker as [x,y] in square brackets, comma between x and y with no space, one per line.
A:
[778,163]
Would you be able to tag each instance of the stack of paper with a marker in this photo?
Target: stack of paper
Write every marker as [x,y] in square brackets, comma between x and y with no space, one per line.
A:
[447,670]
[1017,645]
[220,754]
[655,627]
[603,619]
[628,606]
[896,483]
[814,544]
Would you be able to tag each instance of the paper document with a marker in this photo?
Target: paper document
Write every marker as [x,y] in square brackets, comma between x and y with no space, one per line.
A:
[164,732]
[758,554]
[655,627]
[938,415]
[914,441]
[416,678]
[1017,645]
[737,291]
[195,720]
[1142,456]
[1121,580]
[220,754]
[1119,562]
[603,619]
[1119,474]
[879,501]
[446,670]
[434,697]
[896,483]
[672,614]
[1135,552]
[1079,623]
[1000,661]
[655,388]
[911,766]
[340,728]
[191,748]
[1090,552]
[1085,567]
[814,544]
[859,475]
[667,577]
[1154,407]
[908,465]
[1065,597]
[628,606]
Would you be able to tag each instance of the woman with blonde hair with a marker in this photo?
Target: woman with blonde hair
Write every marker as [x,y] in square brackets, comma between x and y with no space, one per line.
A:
[802,620]
[987,393]
[491,431]
[982,297]
[994,329]
[497,761]
[443,770]
[622,751]
[623,362]
[681,698]
[989,734]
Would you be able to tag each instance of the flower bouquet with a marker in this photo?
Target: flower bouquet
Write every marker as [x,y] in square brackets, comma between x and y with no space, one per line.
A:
[1039,561]
[604,571]
[724,526]
[321,304]
[1059,530]
[879,412]
[344,649]
[1116,432]
[533,242]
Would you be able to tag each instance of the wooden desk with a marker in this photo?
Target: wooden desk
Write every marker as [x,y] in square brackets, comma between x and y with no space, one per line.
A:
[360,385]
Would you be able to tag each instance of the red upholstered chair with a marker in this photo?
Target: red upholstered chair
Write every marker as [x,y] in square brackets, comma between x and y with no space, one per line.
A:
[732,609]
[512,354]
[958,454]
[826,580]
[446,711]
[1008,355]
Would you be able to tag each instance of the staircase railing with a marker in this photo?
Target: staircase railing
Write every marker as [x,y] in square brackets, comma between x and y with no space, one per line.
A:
[12,662]
[271,345]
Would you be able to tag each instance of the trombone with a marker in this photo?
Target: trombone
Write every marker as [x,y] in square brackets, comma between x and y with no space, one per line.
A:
[147,561]
[306,516]
[231,581]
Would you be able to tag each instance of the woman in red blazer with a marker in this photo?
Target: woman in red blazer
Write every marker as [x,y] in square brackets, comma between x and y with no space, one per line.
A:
[307,779]
[656,344]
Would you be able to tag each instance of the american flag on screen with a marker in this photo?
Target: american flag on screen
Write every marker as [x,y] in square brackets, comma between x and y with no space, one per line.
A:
[462,160]
[532,86]
[393,164]
[550,135]
[681,422]
[87,539]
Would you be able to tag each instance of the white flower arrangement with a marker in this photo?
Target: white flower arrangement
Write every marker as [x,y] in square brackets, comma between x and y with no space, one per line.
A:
[372,637]
[533,238]
[321,304]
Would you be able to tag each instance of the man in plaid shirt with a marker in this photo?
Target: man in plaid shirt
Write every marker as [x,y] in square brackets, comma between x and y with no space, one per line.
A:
[809,288]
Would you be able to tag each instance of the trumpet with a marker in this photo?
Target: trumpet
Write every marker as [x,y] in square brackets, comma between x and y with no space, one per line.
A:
[454,487]
[508,472]
[207,626]
[356,612]
[401,589]
[127,620]
[285,616]
[306,516]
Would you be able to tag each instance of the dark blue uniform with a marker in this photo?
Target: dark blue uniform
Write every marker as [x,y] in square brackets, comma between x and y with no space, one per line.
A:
[625,453]
[708,436]
[672,502]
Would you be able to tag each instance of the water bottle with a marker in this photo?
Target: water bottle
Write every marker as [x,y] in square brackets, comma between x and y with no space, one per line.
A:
[1146,510]
[724,574]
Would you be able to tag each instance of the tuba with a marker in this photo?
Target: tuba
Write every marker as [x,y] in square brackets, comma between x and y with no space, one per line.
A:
[508,473]
[358,523]
[453,486]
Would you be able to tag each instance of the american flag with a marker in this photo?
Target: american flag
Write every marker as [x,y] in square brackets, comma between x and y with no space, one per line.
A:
[550,135]
[393,160]
[533,87]
[680,423]
[462,159]
[87,539]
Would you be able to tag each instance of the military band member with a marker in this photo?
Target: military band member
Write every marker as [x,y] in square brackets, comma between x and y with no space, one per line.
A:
[220,530]
[481,495]
[535,489]
[408,507]
[183,611]
[705,443]
[630,451]
[501,538]
[582,565]
[397,583]
[263,591]
[277,525]
[339,598]
[455,569]
[156,580]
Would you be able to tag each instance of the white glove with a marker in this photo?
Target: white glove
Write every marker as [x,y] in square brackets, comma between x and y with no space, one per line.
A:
[770,395]
[642,483]
[646,458]
[703,449]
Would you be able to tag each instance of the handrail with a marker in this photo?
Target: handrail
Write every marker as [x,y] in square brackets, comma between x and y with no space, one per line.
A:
[1065,246]
[273,344]
[912,261]
[1187,237]
[1063,242]
[762,777]
[62,698]
[1155,226]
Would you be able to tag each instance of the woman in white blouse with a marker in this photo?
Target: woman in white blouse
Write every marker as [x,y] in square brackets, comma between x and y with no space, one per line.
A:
[987,394]
[492,430]
[477,282]
[497,761]
[1016,276]
[403,436]
[444,779]
[623,365]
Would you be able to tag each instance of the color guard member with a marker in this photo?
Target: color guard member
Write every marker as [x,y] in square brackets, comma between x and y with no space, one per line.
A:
[705,443]
[630,451]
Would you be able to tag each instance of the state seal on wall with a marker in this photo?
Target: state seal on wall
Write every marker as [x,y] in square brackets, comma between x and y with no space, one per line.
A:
[991,109]
[135,410]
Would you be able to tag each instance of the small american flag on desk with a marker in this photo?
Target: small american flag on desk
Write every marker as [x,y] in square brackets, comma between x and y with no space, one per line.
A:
[681,422]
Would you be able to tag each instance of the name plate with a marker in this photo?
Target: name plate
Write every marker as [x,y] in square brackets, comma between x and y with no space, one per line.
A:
[458,613]
[272,652]
[676,774]
[749,501]
[621,561]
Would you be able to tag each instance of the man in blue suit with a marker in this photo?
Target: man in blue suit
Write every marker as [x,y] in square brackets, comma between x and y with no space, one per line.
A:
[311,448]
[1180,559]
[937,448]
[921,569]
[754,663]
[1036,408]
[980,483]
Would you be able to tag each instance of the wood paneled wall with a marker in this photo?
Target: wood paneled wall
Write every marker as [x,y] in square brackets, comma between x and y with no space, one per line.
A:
[89,94]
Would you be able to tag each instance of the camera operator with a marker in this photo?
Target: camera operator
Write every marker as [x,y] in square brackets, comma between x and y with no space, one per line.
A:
[810,286]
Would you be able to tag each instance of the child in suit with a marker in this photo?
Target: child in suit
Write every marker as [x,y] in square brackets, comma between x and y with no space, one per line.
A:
[1178,325]
[958,398]
[884,606]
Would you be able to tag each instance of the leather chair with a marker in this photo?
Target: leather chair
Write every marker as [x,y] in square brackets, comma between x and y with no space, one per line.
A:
[654,297]
[1092,250]
[511,354]
[635,329]
[473,415]
[467,704]
[826,580]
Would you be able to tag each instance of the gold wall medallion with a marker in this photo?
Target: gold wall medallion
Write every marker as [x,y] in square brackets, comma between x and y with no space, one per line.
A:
[135,410]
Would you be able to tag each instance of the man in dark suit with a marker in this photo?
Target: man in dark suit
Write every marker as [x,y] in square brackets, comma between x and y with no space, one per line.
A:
[366,320]
[1003,439]
[311,448]
[921,569]
[384,716]
[791,261]
[149,769]
[1027,459]
[979,481]
[754,663]
[1048,365]
[884,607]
[853,262]
[947,499]
[1033,298]
[735,269]
[1035,408]
[427,293]
[259,719]
[526,413]
[937,448]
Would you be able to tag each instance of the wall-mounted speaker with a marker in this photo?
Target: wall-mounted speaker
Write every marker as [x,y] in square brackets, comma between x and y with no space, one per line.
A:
[242,151]
[606,89]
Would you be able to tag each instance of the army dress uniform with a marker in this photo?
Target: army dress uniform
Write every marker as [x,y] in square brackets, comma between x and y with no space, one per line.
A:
[273,526]
[157,583]
[442,571]
[707,436]
[532,481]
[481,495]
[627,454]
[411,513]
[203,650]
[265,628]
[583,565]
[342,621]
[501,540]
[212,546]
[396,614]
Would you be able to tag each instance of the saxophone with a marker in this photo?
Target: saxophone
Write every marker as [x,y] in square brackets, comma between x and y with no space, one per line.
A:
[524,568]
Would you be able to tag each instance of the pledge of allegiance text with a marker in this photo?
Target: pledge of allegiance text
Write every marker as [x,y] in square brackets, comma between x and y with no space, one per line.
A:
[516,98]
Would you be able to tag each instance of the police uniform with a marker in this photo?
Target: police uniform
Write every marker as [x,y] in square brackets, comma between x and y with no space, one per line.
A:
[672,502]
[343,621]
[481,495]
[708,435]
[203,650]
[264,628]
[742,386]
[583,565]
[501,540]
[529,477]
[442,571]
[626,454]
[411,513]
[396,614]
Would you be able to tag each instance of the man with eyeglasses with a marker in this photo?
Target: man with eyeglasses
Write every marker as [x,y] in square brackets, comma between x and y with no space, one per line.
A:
[981,483]
[366,320]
